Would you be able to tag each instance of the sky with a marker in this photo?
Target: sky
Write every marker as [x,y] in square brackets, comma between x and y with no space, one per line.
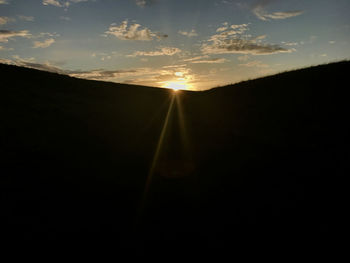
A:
[180,44]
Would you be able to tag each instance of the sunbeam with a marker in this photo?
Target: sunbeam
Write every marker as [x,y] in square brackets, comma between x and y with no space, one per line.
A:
[157,152]
[183,130]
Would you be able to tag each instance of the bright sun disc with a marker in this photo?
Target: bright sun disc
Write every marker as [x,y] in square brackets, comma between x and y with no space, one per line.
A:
[176,85]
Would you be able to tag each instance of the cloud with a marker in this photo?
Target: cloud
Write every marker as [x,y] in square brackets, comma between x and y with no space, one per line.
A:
[210,61]
[243,58]
[65,18]
[4,20]
[52,2]
[141,76]
[144,3]
[3,2]
[44,44]
[281,15]
[195,58]
[242,46]
[260,12]
[133,32]
[141,3]
[6,61]
[223,28]
[43,34]
[290,44]
[5,35]
[192,33]
[174,66]
[5,49]
[105,56]
[26,18]
[102,74]
[255,63]
[60,3]
[97,74]
[30,63]
[164,51]
[205,60]
[41,66]
[234,41]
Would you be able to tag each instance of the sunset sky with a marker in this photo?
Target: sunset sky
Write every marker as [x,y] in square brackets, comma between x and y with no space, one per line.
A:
[190,44]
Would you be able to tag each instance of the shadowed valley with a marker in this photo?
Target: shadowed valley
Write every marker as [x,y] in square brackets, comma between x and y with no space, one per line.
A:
[86,160]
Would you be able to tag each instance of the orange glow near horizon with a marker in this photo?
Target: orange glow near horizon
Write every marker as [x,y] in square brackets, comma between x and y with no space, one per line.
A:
[177,85]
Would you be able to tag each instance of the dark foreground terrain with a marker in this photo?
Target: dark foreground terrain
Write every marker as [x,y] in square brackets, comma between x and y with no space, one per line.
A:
[81,161]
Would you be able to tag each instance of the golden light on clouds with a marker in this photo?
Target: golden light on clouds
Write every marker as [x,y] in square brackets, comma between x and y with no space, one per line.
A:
[179,74]
[180,82]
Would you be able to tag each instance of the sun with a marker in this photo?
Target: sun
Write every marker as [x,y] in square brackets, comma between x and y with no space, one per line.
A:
[177,85]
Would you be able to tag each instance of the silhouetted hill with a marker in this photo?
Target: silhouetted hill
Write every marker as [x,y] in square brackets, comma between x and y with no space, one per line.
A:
[265,158]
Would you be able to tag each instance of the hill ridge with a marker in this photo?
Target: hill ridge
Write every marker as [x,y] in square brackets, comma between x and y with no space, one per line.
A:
[266,157]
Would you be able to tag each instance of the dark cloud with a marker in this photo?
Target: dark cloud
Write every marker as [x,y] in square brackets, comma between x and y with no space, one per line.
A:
[242,46]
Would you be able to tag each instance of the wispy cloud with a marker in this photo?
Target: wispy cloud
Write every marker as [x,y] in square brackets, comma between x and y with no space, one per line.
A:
[5,35]
[191,33]
[210,61]
[103,74]
[204,59]
[256,63]
[290,44]
[60,3]
[4,20]
[259,9]
[43,44]
[53,2]
[133,32]
[144,3]
[31,63]
[223,27]
[142,76]
[163,51]
[3,2]
[26,18]
[233,40]
[5,48]
[195,58]
[65,18]
[243,58]
[6,61]
[105,56]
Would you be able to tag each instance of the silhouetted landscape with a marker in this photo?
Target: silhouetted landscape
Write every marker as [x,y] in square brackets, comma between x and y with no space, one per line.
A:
[84,160]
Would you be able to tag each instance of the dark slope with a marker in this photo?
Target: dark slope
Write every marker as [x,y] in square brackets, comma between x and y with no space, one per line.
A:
[263,158]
